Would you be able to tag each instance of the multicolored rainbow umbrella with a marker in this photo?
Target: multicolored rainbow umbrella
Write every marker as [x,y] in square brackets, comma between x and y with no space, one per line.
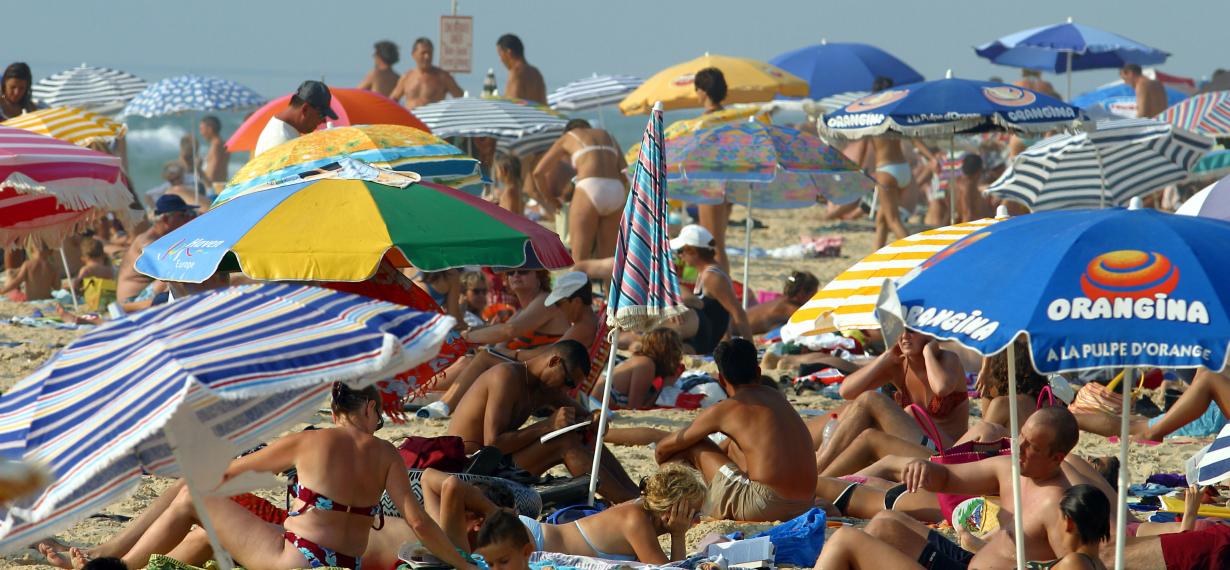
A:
[392,147]
[1207,114]
[338,227]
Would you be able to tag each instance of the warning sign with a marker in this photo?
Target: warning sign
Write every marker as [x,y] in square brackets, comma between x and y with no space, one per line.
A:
[456,43]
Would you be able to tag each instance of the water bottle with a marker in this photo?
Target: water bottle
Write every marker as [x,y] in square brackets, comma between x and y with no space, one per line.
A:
[489,83]
[830,427]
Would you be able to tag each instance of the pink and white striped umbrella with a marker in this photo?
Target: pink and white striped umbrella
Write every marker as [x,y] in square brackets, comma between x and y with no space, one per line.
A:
[49,187]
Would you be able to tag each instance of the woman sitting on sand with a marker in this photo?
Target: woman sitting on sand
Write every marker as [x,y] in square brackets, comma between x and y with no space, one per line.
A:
[670,503]
[715,308]
[336,468]
[922,373]
[659,358]
[799,288]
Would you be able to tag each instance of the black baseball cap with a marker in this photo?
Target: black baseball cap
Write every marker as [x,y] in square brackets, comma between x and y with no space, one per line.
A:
[168,203]
[316,94]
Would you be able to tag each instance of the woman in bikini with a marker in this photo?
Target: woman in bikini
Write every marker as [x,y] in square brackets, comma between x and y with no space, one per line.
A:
[535,326]
[715,308]
[929,381]
[593,217]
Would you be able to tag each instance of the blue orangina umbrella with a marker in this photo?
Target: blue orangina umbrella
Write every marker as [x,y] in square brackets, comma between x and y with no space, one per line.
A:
[840,67]
[1094,289]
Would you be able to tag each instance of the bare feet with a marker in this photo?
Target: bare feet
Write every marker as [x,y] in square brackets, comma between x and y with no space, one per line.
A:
[54,551]
[79,558]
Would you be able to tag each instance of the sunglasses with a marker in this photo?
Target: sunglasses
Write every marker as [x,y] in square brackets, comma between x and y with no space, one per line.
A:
[568,381]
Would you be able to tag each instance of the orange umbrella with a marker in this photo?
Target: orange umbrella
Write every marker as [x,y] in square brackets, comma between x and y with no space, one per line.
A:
[353,107]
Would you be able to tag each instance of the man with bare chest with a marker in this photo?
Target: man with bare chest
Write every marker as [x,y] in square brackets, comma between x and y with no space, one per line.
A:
[426,83]
[383,79]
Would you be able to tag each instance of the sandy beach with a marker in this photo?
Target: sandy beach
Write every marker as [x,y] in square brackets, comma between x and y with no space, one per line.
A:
[36,345]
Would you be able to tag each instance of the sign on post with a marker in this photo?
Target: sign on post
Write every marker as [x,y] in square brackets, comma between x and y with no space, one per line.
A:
[456,43]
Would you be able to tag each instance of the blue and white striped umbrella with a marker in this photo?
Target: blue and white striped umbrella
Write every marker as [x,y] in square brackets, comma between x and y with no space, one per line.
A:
[497,117]
[246,362]
[98,89]
[187,93]
[1120,160]
[1214,467]
[593,92]
[530,144]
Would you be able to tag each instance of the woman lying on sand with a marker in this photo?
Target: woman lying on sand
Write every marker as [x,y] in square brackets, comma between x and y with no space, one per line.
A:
[660,356]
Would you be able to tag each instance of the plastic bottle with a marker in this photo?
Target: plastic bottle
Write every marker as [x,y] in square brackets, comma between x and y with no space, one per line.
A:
[489,83]
[830,427]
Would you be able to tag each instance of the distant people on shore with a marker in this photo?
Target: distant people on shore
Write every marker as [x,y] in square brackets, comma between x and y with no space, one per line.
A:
[426,83]
[217,159]
[1150,94]
[382,78]
[17,97]
[307,110]
[602,190]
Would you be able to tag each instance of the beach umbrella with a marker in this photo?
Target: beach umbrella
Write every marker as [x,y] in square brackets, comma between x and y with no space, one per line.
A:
[530,144]
[192,94]
[1119,160]
[1211,202]
[770,165]
[352,106]
[747,81]
[339,226]
[1118,99]
[1214,465]
[593,92]
[496,117]
[848,301]
[841,67]
[1213,165]
[386,146]
[1092,289]
[834,102]
[644,289]
[149,393]
[69,124]
[1207,114]
[99,89]
[1068,47]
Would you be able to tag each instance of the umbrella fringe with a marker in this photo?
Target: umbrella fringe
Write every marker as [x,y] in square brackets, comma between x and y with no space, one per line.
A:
[892,128]
[77,193]
[52,236]
[643,318]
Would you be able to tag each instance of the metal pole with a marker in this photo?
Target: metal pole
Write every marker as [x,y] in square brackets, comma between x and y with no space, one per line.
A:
[606,406]
[1016,458]
[222,557]
[72,290]
[747,247]
[1069,76]
[454,7]
[952,181]
[1124,475]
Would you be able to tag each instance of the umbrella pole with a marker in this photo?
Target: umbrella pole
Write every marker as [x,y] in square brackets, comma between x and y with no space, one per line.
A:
[1121,507]
[69,274]
[747,248]
[220,555]
[602,421]
[1016,455]
[952,181]
[1069,74]
[196,179]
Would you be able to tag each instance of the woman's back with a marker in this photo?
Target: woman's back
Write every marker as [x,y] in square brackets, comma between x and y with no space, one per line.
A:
[594,152]
[346,468]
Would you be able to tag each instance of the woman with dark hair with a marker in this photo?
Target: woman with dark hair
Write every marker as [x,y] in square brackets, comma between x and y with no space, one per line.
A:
[601,189]
[1086,523]
[17,96]
[710,85]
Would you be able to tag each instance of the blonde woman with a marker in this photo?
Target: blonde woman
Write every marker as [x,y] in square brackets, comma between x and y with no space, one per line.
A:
[659,357]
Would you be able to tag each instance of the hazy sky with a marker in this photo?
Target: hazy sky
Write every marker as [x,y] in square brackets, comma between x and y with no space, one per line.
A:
[271,45]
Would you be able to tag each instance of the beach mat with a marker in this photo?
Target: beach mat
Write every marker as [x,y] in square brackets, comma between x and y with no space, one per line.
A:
[1175,505]
[160,562]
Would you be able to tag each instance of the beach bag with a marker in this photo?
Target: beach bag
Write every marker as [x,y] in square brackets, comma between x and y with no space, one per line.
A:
[446,453]
[98,292]
[1098,398]
[798,541]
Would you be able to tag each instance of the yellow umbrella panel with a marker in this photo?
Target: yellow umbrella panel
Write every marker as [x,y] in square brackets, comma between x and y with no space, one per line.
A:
[69,124]
[747,81]
[848,302]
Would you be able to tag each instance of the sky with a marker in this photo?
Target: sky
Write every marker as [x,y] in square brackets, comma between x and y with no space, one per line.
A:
[272,45]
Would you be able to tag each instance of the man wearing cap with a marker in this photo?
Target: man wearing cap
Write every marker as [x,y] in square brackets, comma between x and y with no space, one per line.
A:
[574,297]
[308,108]
[170,212]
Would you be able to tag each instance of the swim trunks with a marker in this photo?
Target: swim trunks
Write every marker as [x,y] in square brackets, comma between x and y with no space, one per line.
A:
[1197,549]
[943,554]
[732,495]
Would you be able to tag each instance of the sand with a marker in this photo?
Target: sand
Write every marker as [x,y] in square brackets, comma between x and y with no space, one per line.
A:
[784,228]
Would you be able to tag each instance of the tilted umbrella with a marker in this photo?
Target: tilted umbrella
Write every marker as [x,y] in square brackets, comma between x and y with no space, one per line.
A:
[1207,114]
[70,124]
[593,92]
[352,106]
[226,369]
[1211,202]
[832,68]
[338,227]
[1112,164]
[386,146]
[1212,166]
[848,301]
[1068,47]
[644,289]
[1089,290]
[98,89]
[747,81]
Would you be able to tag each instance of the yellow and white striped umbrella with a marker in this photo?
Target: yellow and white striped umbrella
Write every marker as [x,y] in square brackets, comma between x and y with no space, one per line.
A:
[848,302]
[69,124]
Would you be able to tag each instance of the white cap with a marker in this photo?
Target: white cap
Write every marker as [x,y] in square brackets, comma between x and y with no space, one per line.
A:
[565,285]
[693,235]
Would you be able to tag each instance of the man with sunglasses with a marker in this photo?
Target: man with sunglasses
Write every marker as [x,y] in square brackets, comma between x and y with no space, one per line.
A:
[496,407]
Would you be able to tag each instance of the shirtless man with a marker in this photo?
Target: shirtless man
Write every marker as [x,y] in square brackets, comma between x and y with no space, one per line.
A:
[217,160]
[170,212]
[1045,440]
[893,175]
[37,277]
[426,83]
[524,80]
[760,472]
[1150,94]
[923,373]
[972,204]
[572,294]
[800,287]
[382,78]
[502,399]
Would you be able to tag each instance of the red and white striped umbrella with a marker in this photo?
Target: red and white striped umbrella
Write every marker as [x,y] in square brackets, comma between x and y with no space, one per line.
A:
[49,187]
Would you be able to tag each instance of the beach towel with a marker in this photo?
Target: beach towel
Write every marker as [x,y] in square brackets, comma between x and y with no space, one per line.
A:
[526,500]
[160,562]
[446,453]
[798,541]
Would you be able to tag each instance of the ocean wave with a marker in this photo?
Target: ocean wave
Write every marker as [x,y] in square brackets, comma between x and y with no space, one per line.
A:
[162,139]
